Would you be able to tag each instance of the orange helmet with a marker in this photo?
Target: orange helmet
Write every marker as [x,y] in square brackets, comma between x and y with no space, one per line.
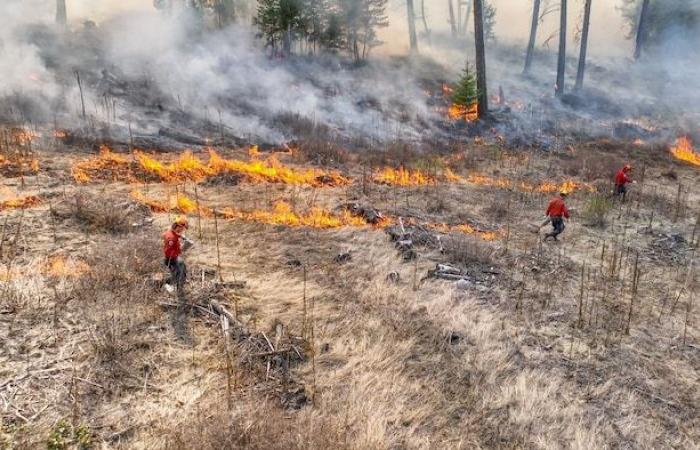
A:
[627,168]
[181,221]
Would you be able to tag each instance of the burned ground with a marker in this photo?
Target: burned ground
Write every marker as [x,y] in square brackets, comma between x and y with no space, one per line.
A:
[483,337]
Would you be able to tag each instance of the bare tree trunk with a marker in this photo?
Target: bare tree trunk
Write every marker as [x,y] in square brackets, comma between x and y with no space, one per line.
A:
[584,45]
[533,35]
[466,19]
[61,15]
[483,107]
[453,23]
[412,26]
[425,20]
[561,61]
[641,30]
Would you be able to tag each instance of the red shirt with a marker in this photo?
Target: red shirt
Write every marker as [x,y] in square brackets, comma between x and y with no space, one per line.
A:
[621,178]
[557,208]
[171,244]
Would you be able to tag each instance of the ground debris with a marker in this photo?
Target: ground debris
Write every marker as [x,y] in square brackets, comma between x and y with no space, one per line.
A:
[668,248]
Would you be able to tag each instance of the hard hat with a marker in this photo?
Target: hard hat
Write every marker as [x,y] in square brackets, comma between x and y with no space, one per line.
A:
[181,221]
[563,192]
[627,168]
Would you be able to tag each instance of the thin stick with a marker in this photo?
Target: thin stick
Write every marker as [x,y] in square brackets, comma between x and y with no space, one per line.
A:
[199,212]
[82,98]
[218,252]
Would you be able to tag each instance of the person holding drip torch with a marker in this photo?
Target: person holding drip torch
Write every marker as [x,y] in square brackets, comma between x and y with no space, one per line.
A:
[175,243]
[622,179]
[556,213]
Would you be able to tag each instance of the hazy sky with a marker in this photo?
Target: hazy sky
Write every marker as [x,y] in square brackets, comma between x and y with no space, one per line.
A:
[608,32]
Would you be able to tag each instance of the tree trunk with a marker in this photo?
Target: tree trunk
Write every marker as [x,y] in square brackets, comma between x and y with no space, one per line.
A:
[641,30]
[412,26]
[561,61]
[425,20]
[453,24]
[61,15]
[483,107]
[584,45]
[466,19]
[533,35]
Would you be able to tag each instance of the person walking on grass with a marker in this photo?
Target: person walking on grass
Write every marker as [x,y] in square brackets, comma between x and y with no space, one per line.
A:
[622,179]
[557,212]
[172,251]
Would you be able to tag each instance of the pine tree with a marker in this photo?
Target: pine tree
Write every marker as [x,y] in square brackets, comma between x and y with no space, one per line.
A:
[466,93]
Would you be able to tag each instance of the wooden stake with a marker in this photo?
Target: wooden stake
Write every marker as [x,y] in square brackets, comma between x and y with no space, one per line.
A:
[218,252]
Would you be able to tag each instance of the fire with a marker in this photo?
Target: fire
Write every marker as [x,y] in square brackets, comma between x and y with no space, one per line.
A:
[466,229]
[18,165]
[61,266]
[684,151]
[283,214]
[23,136]
[106,163]
[179,203]
[467,113]
[403,177]
[544,187]
[20,203]
[188,167]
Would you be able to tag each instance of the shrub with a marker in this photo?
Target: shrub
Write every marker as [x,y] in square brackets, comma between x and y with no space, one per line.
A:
[596,211]
[468,250]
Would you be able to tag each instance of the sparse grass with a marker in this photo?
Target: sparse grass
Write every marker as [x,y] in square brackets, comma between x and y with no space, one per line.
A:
[104,214]
[468,250]
[597,210]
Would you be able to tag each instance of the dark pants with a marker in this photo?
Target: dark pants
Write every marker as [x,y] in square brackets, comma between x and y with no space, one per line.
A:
[621,191]
[557,227]
[178,272]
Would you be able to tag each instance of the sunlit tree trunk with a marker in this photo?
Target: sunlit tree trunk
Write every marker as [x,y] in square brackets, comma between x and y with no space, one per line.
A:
[453,23]
[412,26]
[483,107]
[533,35]
[561,60]
[641,29]
[584,45]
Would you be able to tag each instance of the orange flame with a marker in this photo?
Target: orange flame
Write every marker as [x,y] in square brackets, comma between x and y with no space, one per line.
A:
[189,167]
[282,214]
[466,113]
[403,177]
[684,151]
[20,203]
[61,266]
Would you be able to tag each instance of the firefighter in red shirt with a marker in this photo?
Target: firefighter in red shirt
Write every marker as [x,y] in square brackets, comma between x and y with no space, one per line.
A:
[172,251]
[557,212]
[621,180]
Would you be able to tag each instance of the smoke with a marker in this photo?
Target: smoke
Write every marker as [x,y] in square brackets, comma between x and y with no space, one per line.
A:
[157,68]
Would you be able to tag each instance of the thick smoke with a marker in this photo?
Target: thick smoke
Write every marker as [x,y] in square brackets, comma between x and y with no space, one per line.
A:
[161,71]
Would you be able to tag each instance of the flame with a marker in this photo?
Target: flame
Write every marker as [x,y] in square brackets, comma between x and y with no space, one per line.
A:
[20,203]
[61,266]
[189,167]
[23,136]
[179,203]
[283,214]
[684,151]
[60,134]
[545,187]
[107,162]
[467,113]
[466,229]
[403,177]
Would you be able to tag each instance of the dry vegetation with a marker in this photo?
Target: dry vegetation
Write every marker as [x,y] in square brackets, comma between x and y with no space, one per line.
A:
[589,343]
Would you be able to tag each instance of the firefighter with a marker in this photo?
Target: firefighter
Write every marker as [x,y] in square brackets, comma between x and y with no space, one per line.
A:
[621,180]
[557,212]
[172,251]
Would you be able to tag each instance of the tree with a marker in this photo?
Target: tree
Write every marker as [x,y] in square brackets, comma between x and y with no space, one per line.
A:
[641,29]
[453,23]
[361,20]
[225,12]
[489,21]
[61,14]
[413,39]
[584,45]
[466,92]
[561,60]
[533,35]
[483,106]
[279,20]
